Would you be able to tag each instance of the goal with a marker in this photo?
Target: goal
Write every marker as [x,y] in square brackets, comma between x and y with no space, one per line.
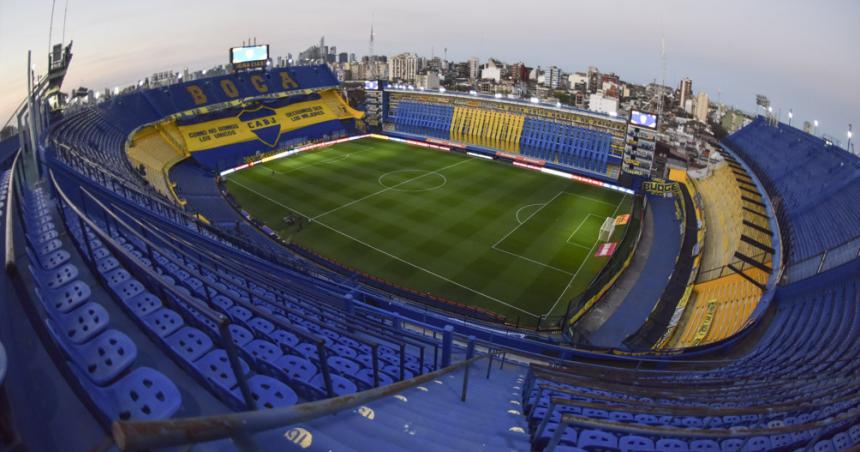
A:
[607,229]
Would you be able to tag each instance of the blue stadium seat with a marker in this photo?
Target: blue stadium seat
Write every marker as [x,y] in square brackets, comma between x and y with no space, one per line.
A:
[66,298]
[103,358]
[635,443]
[269,392]
[83,323]
[143,394]
[598,439]
[189,343]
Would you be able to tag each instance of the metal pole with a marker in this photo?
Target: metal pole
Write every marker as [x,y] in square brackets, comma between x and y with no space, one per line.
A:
[470,351]
[236,365]
[447,344]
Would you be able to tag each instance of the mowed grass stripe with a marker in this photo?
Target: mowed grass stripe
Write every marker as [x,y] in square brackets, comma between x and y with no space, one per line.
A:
[447,231]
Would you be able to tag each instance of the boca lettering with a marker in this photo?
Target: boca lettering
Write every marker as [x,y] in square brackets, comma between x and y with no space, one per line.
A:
[197,94]
[229,88]
[259,84]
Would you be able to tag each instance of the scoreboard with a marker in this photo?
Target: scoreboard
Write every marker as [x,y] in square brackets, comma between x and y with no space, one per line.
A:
[640,143]
[249,57]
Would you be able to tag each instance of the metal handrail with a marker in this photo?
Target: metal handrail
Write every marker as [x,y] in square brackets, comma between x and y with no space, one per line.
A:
[10,211]
[222,321]
[133,435]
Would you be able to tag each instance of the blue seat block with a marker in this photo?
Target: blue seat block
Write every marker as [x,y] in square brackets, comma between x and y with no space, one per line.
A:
[65,298]
[635,443]
[240,335]
[83,323]
[143,304]
[284,338]
[103,358]
[269,393]
[189,343]
[296,368]
[598,439]
[263,352]
[340,385]
[365,376]
[672,444]
[143,394]
[54,279]
[342,365]
[215,367]
[164,322]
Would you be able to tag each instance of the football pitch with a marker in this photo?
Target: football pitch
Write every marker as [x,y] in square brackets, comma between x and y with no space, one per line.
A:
[487,234]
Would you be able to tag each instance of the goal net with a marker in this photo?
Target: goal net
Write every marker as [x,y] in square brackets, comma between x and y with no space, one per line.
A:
[607,229]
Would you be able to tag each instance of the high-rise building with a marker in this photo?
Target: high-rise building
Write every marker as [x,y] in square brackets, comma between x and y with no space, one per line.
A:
[474,68]
[403,67]
[342,57]
[553,77]
[701,110]
[519,72]
[594,81]
[685,92]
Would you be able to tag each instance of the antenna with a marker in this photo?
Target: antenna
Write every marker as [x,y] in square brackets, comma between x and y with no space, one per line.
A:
[371,74]
[663,82]
[65,16]
[51,25]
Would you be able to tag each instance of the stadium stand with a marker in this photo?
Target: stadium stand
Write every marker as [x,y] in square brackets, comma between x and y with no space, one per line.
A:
[737,257]
[793,165]
[568,139]
[157,148]
[150,314]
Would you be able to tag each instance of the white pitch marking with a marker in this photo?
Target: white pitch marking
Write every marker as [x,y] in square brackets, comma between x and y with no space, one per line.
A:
[387,189]
[577,230]
[527,219]
[489,297]
[590,199]
[531,260]
[587,257]
[517,215]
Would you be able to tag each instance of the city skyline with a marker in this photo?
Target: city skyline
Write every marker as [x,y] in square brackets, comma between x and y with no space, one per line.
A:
[732,50]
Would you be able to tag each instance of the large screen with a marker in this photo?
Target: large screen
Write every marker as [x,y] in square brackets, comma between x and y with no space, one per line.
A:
[251,56]
[371,84]
[643,119]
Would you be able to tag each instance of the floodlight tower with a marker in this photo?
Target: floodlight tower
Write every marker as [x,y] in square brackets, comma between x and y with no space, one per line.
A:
[850,135]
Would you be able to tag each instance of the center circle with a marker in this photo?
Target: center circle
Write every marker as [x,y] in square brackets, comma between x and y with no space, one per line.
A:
[412,180]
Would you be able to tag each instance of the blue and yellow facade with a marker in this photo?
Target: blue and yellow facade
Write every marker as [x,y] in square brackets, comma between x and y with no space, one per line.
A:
[569,138]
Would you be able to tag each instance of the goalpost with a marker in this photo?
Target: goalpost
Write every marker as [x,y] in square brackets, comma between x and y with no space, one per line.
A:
[607,229]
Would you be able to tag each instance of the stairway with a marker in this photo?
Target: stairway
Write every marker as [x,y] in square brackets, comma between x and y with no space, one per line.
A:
[428,417]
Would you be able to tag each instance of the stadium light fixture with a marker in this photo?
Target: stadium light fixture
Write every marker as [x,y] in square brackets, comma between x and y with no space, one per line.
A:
[498,95]
[558,105]
[441,89]
[473,93]
[534,100]
[614,114]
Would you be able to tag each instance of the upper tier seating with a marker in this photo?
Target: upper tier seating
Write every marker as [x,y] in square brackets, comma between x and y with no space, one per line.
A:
[815,187]
[796,388]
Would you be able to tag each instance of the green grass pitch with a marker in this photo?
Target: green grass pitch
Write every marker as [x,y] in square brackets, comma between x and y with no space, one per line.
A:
[488,234]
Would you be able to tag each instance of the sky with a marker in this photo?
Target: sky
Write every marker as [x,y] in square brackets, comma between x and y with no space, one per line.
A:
[803,55]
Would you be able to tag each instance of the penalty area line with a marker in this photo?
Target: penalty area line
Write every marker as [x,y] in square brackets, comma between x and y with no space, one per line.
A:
[418,267]
[587,257]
